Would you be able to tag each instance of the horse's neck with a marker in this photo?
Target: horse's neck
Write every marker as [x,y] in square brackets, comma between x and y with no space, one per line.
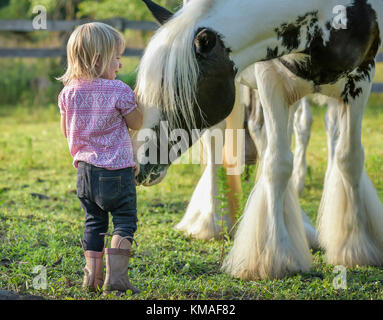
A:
[260,18]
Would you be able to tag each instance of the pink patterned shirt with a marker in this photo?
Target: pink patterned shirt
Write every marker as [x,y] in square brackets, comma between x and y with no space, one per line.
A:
[95,127]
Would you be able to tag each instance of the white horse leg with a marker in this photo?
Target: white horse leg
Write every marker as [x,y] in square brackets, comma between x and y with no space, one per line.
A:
[303,121]
[332,131]
[258,134]
[351,213]
[270,241]
[302,128]
[256,126]
[201,220]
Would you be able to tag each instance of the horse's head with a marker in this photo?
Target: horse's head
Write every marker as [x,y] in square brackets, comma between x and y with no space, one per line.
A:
[185,80]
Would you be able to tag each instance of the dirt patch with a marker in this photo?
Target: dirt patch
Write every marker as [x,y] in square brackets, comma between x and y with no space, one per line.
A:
[9,295]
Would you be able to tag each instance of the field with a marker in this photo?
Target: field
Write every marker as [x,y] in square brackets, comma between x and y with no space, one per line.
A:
[41,222]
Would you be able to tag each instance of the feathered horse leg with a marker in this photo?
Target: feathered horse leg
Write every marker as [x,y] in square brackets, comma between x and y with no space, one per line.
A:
[332,131]
[202,220]
[351,213]
[258,133]
[270,241]
[302,129]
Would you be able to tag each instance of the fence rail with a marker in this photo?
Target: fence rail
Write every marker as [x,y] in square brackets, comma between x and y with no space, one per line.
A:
[377,87]
[67,26]
[52,53]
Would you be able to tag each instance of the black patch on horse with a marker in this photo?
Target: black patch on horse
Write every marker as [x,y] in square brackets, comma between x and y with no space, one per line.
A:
[290,33]
[353,48]
[272,53]
[362,73]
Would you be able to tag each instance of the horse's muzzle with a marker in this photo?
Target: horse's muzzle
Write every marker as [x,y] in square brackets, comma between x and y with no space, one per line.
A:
[151,174]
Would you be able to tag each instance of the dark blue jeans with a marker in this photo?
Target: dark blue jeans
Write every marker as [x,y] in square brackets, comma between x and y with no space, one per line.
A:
[102,191]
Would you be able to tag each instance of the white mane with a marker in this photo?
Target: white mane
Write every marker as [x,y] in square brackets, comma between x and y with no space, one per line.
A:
[169,59]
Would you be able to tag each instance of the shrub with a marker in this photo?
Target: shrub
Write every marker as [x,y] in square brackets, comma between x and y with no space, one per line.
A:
[29,82]
[33,82]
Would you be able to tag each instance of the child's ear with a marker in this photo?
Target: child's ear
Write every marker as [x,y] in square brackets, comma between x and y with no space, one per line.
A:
[97,58]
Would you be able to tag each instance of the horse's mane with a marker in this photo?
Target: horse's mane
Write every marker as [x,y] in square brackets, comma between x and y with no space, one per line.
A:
[168,71]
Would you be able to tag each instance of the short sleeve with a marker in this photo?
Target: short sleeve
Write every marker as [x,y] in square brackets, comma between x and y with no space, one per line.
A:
[61,104]
[126,102]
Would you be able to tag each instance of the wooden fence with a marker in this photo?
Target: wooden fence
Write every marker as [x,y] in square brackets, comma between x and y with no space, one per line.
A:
[67,26]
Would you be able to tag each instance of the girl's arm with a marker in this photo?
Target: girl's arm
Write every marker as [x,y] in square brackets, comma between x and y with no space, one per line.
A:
[63,124]
[134,119]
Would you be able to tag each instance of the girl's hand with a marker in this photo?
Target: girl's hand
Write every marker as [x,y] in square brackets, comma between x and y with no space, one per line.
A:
[136,170]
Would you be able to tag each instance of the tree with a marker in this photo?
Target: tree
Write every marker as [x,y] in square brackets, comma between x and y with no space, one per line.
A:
[23,9]
[15,9]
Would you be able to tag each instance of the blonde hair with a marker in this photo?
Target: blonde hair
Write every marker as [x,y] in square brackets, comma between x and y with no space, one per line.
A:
[90,48]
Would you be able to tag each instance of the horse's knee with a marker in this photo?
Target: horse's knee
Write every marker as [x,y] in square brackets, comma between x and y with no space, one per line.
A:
[278,166]
[350,160]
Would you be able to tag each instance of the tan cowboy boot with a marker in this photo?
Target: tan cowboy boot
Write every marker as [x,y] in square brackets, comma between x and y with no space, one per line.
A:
[117,262]
[93,270]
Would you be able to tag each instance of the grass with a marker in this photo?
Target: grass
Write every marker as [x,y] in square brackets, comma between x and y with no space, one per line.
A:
[34,159]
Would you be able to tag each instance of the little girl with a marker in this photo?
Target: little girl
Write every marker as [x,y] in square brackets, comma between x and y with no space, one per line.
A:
[96,112]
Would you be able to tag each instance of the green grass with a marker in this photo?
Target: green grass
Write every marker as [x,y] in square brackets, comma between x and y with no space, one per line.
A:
[34,158]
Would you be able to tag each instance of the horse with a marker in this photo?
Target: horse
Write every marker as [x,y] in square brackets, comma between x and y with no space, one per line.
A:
[303,121]
[202,220]
[187,77]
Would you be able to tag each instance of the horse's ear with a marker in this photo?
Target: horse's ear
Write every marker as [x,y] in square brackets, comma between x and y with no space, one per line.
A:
[159,13]
[204,42]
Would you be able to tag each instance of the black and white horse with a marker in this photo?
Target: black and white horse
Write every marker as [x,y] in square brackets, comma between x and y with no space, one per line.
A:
[187,75]
[203,217]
